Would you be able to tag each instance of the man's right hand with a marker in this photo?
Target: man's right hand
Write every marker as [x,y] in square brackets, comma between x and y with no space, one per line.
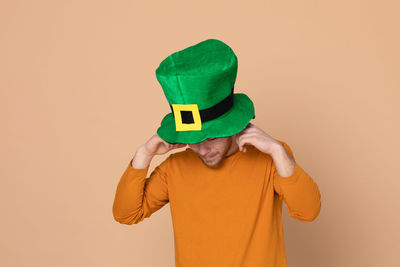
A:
[157,146]
[154,146]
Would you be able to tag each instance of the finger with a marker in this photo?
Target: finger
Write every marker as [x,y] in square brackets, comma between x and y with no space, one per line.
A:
[243,141]
[252,130]
[180,145]
[247,135]
[249,130]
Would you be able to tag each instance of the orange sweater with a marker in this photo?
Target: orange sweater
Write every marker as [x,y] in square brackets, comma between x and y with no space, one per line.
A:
[226,217]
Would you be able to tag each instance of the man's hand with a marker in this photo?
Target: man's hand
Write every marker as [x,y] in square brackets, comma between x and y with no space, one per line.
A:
[253,135]
[154,146]
[157,146]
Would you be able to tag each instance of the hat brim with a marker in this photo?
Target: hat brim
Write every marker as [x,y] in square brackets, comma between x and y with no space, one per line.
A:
[228,124]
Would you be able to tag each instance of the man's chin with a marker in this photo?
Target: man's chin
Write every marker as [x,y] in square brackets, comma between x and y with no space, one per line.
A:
[215,164]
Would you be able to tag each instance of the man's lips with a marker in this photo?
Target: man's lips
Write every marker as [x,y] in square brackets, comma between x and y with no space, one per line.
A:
[209,157]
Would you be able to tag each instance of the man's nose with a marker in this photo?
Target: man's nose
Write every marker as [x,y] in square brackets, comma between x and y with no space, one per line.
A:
[204,149]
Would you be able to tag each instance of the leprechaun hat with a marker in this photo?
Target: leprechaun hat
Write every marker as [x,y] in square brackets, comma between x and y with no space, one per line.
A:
[198,83]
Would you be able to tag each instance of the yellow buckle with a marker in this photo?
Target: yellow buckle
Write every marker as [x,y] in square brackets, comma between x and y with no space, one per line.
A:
[195,126]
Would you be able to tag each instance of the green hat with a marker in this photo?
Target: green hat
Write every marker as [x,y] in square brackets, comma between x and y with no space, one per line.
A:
[198,83]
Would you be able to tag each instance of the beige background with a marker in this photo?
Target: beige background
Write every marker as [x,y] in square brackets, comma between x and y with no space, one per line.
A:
[79,95]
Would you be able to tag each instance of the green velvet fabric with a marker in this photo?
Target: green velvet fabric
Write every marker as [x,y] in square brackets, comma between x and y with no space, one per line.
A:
[203,74]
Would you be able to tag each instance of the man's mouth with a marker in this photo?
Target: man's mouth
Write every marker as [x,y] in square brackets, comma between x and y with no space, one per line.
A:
[209,157]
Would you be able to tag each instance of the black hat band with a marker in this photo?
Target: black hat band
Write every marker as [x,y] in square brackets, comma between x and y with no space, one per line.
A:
[209,113]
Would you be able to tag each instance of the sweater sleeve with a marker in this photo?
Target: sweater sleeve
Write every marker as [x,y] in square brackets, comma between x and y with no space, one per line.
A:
[137,197]
[299,191]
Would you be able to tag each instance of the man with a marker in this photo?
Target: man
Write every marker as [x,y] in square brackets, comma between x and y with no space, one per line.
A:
[226,189]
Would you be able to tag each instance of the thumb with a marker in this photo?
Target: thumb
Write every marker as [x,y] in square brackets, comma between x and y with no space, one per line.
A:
[242,146]
[238,143]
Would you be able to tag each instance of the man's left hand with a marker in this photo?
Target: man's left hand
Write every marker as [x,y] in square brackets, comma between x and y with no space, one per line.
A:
[255,136]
